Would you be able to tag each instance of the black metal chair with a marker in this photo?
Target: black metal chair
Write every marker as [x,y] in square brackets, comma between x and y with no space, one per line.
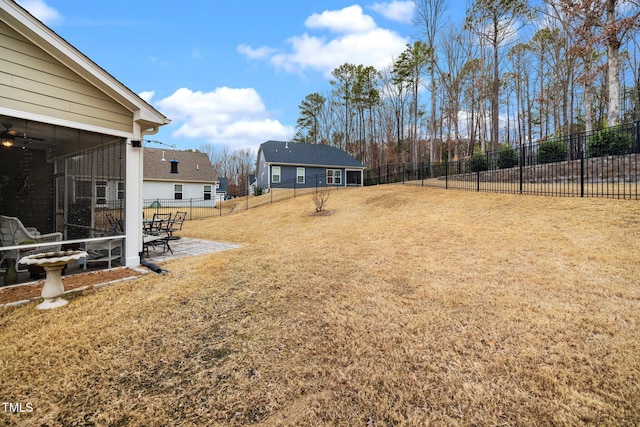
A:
[156,232]
[115,225]
[176,224]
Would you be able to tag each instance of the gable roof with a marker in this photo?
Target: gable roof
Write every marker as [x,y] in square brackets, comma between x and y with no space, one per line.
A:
[193,166]
[48,40]
[292,153]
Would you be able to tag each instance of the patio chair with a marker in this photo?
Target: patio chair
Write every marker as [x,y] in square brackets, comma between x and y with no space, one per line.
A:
[176,224]
[14,233]
[115,225]
[156,232]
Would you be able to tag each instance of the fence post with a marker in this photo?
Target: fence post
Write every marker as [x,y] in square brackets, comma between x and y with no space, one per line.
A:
[478,180]
[403,172]
[581,157]
[422,172]
[636,144]
[521,165]
[446,175]
[191,208]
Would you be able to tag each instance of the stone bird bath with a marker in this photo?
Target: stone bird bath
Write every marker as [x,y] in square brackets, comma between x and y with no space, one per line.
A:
[53,263]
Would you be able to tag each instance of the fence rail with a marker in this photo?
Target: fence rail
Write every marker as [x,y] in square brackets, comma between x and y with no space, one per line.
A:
[597,164]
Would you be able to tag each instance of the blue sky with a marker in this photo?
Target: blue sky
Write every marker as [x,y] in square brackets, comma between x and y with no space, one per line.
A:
[229,73]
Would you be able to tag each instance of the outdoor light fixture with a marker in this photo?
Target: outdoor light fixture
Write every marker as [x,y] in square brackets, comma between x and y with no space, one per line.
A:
[7,141]
[136,143]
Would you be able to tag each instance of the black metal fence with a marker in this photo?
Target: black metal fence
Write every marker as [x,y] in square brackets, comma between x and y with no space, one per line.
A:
[249,198]
[597,164]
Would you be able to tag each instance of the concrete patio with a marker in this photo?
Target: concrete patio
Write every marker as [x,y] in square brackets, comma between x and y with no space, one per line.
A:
[188,247]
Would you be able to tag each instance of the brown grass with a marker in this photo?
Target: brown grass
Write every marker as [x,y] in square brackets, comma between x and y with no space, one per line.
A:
[407,306]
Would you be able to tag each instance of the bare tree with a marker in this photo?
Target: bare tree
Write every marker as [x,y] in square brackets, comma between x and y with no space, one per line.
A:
[430,18]
[408,70]
[616,28]
[454,57]
[495,22]
[580,20]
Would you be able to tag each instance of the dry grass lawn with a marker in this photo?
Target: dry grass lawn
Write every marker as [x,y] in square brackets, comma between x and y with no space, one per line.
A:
[407,306]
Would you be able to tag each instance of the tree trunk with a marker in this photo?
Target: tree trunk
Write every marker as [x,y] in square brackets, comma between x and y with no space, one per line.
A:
[588,97]
[495,98]
[613,60]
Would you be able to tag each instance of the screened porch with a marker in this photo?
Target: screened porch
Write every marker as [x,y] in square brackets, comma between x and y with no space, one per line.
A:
[64,180]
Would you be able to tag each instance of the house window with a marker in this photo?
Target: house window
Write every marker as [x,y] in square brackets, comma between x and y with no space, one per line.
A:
[177,191]
[101,193]
[83,191]
[300,175]
[121,191]
[275,174]
[334,177]
[207,192]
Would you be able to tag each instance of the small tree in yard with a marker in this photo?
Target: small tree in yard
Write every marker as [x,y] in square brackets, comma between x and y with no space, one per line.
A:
[320,198]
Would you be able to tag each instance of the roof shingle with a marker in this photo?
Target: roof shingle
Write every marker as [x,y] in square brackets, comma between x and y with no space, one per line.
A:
[193,166]
[281,152]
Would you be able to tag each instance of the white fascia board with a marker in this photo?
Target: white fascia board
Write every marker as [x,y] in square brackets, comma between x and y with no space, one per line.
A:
[66,123]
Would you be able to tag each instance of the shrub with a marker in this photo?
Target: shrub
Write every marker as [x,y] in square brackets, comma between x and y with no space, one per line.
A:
[257,191]
[609,142]
[552,151]
[320,198]
[479,163]
[507,157]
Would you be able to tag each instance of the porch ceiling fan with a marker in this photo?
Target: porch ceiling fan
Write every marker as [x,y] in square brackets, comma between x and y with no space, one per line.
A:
[8,136]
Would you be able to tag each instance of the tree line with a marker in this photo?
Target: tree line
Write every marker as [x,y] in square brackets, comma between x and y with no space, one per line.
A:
[235,165]
[509,74]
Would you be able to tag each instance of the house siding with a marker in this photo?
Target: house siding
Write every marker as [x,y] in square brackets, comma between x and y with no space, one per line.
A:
[165,191]
[314,176]
[35,82]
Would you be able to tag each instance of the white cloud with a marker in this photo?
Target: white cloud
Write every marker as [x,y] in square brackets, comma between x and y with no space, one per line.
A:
[400,11]
[358,41]
[42,11]
[249,52]
[234,117]
[376,48]
[348,20]
[147,95]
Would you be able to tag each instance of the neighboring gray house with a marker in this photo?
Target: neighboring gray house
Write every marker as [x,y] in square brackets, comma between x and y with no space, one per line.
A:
[288,164]
[179,175]
[223,187]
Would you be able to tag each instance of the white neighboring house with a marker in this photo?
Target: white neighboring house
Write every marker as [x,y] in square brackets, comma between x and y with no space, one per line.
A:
[178,178]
